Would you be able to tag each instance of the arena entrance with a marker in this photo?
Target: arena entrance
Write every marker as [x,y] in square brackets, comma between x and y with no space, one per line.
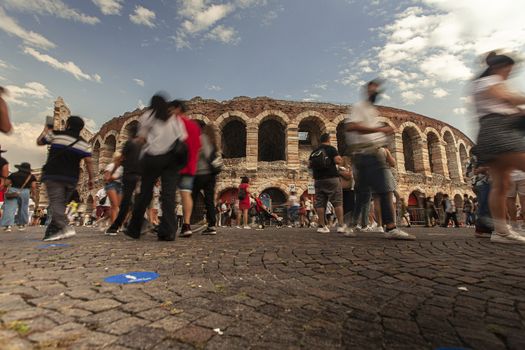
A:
[233,139]
[416,207]
[278,199]
[272,141]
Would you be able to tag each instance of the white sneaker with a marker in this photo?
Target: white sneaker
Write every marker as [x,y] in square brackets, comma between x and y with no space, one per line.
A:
[399,234]
[66,232]
[247,227]
[323,229]
[349,233]
[380,229]
[7,229]
[21,227]
[342,229]
[510,238]
[239,227]
[367,229]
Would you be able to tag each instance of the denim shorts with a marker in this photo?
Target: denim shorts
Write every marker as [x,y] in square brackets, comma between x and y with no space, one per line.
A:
[115,186]
[186,183]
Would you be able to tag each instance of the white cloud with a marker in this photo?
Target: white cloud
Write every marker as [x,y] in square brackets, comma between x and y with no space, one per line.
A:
[26,151]
[411,97]
[460,111]
[143,16]
[445,67]
[109,7]
[386,97]
[139,82]
[440,93]
[11,27]
[68,67]
[50,7]
[224,34]
[321,86]
[22,95]
[200,16]
[212,87]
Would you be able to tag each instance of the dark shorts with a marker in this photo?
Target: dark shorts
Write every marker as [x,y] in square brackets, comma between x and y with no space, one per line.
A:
[328,190]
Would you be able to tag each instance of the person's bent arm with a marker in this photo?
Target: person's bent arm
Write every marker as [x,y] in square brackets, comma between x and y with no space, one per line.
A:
[338,160]
[41,140]
[389,159]
[4,175]
[500,91]
[5,122]
[362,129]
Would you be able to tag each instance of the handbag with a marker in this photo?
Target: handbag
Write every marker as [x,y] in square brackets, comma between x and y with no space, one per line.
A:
[16,194]
[179,153]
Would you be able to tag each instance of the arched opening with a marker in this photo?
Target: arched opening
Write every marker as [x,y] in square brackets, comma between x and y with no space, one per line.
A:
[201,122]
[96,156]
[309,132]
[409,136]
[233,139]
[110,146]
[199,210]
[341,138]
[434,154]
[277,196]
[452,160]
[416,199]
[228,195]
[127,129]
[463,155]
[272,141]
[458,201]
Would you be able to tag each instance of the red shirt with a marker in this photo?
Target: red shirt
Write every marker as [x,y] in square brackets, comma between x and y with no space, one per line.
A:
[260,205]
[194,145]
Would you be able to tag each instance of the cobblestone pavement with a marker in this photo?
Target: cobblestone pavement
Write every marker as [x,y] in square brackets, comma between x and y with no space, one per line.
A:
[272,289]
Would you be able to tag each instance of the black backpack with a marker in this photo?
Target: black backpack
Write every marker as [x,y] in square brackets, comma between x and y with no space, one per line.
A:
[319,159]
[242,194]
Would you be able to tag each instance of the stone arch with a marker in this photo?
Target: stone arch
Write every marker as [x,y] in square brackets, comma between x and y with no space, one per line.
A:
[463,156]
[233,135]
[200,117]
[95,155]
[310,128]
[274,114]
[108,149]
[124,130]
[412,140]
[224,118]
[435,156]
[452,156]
[272,137]
[228,194]
[277,194]
[416,199]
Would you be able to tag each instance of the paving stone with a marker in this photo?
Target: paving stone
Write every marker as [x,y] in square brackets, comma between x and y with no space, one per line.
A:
[143,338]
[60,335]
[99,305]
[170,324]
[194,335]
[123,325]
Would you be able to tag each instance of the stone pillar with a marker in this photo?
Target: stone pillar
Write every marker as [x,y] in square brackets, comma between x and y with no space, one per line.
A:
[453,162]
[421,157]
[292,147]
[397,152]
[439,158]
[252,146]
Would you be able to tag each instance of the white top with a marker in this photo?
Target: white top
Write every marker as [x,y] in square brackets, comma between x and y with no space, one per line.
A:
[101,194]
[160,135]
[366,114]
[486,104]
[117,175]
[294,201]
[517,175]
[179,210]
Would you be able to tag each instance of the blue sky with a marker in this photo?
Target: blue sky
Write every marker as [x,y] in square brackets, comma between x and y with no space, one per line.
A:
[106,57]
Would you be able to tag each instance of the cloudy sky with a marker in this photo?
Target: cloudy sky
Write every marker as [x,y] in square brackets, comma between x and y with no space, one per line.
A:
[106,57]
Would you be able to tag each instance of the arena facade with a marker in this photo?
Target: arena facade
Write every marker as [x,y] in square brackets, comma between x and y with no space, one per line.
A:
[270,141]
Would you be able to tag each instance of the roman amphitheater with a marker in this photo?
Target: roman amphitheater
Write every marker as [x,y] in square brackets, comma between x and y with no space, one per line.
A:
[270,141]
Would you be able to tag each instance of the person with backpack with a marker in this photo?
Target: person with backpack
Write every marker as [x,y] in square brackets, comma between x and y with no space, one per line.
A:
[244,203]
[61,172]
[164,154]
[209,166]
[323,162]
[365,134]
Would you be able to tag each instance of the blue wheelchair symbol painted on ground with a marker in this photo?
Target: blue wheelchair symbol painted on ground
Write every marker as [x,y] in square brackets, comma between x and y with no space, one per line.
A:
[132,277]
[53,245]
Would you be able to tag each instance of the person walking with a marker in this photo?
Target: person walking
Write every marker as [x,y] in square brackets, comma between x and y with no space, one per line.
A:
[243,196]
[500,143]
[449,207]
[103,209]
[21,187]
[4,168]
[61,172]
[468,210]
[164,154]
[365,134]
[431,215]
[323,162]
[154,206]
[113,180]
[187,174]
[293,209]
[130,178]
[208,168]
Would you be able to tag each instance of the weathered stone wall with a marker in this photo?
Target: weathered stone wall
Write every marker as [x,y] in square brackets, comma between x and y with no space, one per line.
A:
[252,112]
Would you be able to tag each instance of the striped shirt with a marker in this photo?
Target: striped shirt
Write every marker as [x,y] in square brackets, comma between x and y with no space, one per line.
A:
[63,162]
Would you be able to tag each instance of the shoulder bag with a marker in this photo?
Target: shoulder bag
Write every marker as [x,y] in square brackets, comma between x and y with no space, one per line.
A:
[16,194]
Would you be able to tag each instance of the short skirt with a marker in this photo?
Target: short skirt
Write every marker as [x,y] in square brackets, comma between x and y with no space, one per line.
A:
[498,134]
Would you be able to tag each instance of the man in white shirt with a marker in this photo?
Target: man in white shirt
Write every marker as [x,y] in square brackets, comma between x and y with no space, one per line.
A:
[365,135]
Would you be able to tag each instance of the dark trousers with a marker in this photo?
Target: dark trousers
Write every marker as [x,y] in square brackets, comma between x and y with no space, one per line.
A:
[483,217]
[206,184]
[451,216]
[154,167]
[129,183]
